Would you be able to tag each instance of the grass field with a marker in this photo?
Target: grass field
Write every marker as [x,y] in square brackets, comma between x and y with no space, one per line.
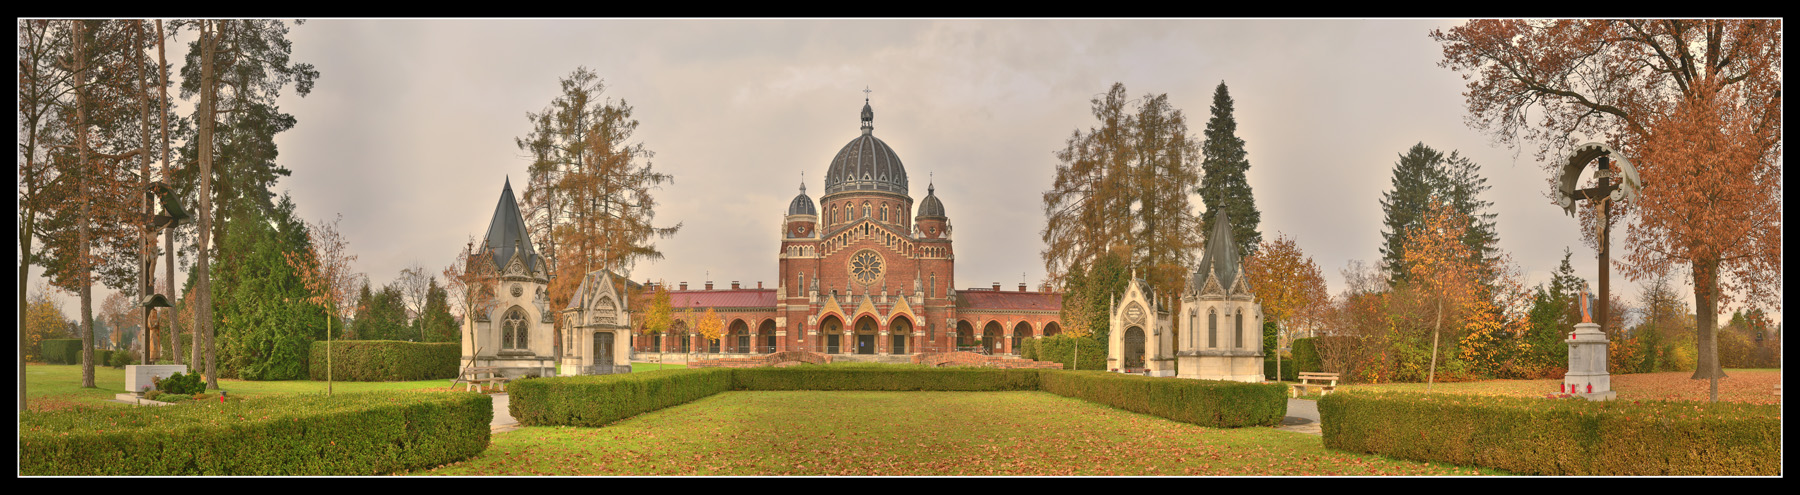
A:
[914,434]
[52,387]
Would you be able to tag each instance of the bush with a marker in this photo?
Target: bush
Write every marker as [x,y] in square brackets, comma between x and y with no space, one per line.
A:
[884,378]
[1289,372]
[179,383]
[385,360]
[1306,355]
[309,434]
[122,359]
[599,400]
[1212,403]
[62,351]
[1558,437]
[1028,348]
[1060,348]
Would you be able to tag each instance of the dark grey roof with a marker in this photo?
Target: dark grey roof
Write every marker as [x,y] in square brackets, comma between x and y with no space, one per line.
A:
[802,205]
[931,206]
[1221,258]
[506,232]
[866,164]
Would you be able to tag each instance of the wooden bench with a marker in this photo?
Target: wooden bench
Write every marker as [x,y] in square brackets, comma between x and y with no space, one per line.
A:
[1323,382]
[481,377]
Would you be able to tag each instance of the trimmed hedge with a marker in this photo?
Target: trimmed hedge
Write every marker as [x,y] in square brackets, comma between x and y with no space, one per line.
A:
[1211,403]
[310,434]
[385,360]
[1558,437]
[62,351]
[1060,349]
[1290,371]
[1306,355]
[604,399]
[885,378]
[599,400]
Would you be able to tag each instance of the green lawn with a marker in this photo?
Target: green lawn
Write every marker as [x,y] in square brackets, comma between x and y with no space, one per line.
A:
[637,367]
[58,386]
[915,434]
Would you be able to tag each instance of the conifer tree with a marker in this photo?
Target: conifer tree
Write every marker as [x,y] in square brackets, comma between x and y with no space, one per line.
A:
[1421,174]
[1222,183]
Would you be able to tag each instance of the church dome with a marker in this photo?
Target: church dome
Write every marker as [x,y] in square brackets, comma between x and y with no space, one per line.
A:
[802,205]
[930,206]
[866,164]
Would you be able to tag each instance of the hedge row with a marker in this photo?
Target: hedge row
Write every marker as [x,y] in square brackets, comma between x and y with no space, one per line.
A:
[1558,437]
[1306,355]
[604,399]
[62,351]
[1290,371]
[311,434]
[599,400]
[1211,403]
[384,360]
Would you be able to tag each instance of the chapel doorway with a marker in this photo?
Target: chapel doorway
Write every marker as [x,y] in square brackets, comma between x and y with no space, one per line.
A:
[865,335]
[1134,348]
[603,353]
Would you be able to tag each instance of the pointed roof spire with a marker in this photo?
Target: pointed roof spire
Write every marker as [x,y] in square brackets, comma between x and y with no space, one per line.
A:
[506,232]
[868,113]
[1221,259]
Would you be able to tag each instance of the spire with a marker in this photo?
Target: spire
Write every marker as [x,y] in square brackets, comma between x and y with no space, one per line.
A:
[1221,258]
[868,114]
[506,232]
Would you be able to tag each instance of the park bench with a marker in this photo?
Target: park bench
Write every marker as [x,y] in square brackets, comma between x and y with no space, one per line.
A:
[481,377]
[1323,382]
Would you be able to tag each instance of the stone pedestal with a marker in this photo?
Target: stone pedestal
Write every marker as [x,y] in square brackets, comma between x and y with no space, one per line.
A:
[137,376]
[1587,376]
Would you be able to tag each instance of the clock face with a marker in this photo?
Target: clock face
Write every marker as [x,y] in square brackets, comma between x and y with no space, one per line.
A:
[866,266]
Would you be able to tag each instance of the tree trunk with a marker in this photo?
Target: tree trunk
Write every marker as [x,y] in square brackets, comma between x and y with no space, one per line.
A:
[203,290]
[174,327]
[1706,307]
[1431,373]
[85,177]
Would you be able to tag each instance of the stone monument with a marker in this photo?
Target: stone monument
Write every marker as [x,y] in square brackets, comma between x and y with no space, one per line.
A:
[1587,376]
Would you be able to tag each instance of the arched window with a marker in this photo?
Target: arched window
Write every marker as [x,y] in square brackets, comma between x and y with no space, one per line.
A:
[515,330]
[1237,335]
[884,212]
[865,209]
[833,214]
[1212,329]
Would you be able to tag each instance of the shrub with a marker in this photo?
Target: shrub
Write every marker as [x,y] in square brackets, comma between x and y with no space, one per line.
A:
[1558,437]
[599,400]
[1212,403]
[385,360]
[1060,348]
[179,383]
[1028,348]
[62,351]
[884,378]
[122,359]
[309,434]
[1306,355]
[1289,371]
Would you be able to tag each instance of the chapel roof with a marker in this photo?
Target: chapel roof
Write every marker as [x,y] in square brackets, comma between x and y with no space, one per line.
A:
[506,232]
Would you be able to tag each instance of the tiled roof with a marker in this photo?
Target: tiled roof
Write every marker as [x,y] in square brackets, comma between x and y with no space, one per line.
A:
[1002,300]
[741,298]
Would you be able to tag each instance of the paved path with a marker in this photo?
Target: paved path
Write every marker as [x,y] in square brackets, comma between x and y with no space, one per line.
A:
[503,420]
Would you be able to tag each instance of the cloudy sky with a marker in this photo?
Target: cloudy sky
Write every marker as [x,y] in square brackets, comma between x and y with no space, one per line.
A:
[409,131]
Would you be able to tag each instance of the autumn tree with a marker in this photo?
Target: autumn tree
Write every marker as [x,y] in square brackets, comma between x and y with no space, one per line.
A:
[467,284]
[324,270]
[710,327]
[1290,287]
[1694,103]
[1423,173]
[659,316]
[1440,276]
[1223,186]
[1125,183]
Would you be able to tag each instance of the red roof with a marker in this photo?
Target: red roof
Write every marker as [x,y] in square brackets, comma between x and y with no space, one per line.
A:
[741,298]
[1001,300]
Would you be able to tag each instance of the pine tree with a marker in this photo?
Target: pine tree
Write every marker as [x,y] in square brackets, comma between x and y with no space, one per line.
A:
[1423,173]
[266,318]
[1222,184]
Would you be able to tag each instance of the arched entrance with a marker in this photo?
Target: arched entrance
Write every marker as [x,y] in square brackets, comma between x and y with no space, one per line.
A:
[865,335]
[678,336]
[1052,328]
[1021,332]
[965,335]
[737,337]
[831,334]
[766,335]
[603,353]
[990,337]
[900,331]
[1134,348]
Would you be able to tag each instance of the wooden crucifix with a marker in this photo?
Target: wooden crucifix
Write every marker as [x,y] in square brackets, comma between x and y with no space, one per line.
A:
[1618,180]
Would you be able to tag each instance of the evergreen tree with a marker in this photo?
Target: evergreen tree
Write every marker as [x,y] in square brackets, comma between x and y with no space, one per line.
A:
[435,324]
[265,320]
[1421,174]
[1222,184]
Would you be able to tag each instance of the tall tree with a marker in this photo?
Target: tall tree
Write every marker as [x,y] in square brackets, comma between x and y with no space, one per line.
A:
[1441,274]
[43,85]
[237,68]
[435,324]
[1223,184]
[324,271]
[414,284]
[1289,284]
[1423,173]
[1124,184]
[264,311]
[1695,103]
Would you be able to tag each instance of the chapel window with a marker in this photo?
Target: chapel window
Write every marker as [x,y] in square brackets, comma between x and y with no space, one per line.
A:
[884,210]
[1212,329]
[1238,333]
[514,330]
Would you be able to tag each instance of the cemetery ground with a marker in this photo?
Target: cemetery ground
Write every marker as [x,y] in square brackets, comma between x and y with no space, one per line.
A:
[914,433]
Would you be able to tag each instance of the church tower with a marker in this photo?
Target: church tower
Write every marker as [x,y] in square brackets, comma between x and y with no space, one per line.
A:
[1221,323]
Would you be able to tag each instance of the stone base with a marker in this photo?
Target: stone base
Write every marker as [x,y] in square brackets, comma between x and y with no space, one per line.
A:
[1598,396]
[137,376]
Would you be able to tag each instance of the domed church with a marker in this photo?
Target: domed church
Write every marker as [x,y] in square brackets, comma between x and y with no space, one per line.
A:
[861,272]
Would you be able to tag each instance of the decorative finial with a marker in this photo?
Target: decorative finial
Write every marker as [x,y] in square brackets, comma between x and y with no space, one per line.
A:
[802,182]
[866,92]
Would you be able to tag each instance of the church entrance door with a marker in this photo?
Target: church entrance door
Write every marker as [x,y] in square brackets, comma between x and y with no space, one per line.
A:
[899,344]
[831,343]
[865,344]
[1134,348]
[603,353]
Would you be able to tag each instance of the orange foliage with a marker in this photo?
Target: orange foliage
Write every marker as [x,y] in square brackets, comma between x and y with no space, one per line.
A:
[1288,283]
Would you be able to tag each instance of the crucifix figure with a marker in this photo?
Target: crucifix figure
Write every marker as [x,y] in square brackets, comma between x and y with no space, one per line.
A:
[1610,165]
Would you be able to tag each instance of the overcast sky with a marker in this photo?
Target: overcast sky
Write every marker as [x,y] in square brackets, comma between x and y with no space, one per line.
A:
[409,131]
